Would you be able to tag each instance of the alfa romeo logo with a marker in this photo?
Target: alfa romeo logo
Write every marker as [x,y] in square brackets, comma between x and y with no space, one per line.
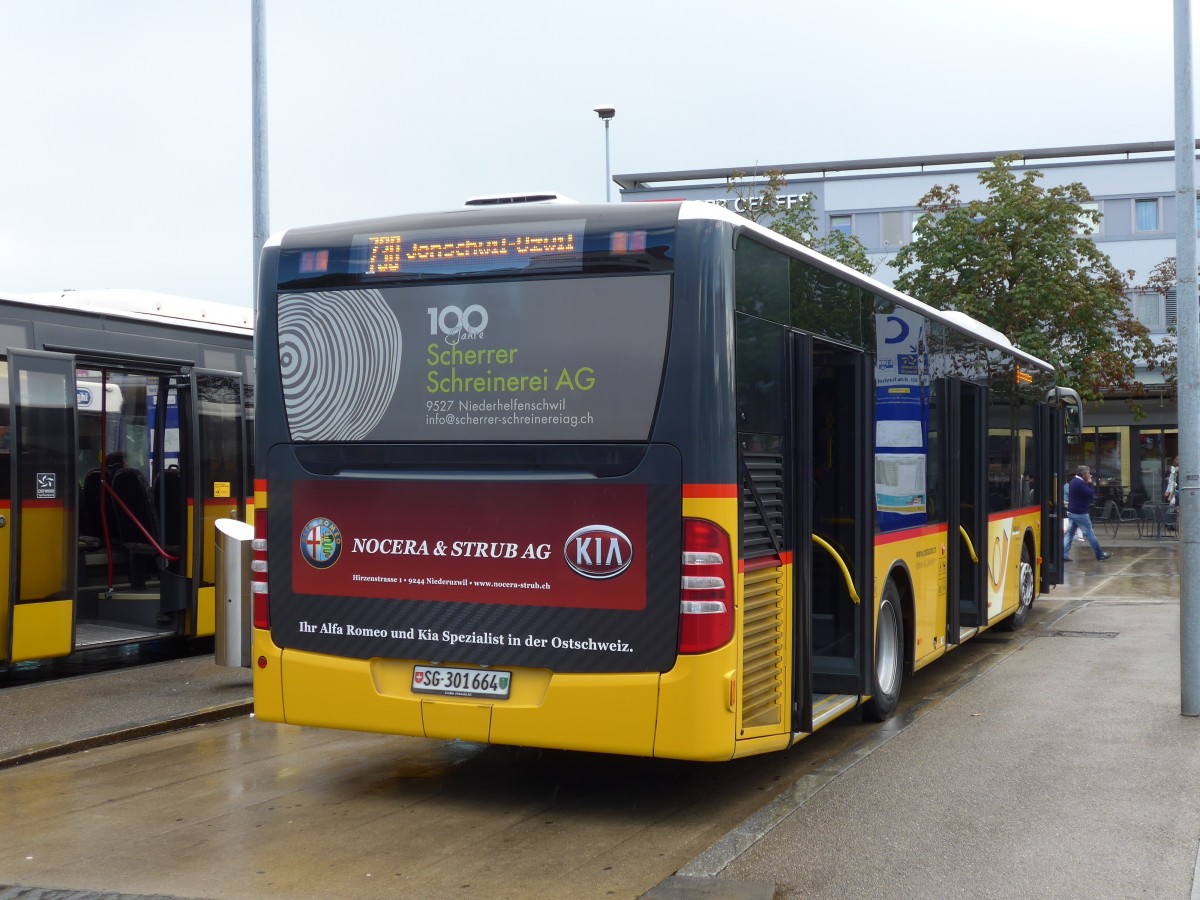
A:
[321,543]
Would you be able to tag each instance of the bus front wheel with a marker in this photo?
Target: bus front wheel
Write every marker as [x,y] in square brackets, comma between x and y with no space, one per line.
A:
[889,656]
[1026,590]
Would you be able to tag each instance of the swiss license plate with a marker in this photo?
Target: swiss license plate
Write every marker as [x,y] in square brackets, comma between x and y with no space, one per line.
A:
[454,682]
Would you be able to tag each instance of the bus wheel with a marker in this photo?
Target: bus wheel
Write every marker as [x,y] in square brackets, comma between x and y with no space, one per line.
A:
[1025,585]
[889,656]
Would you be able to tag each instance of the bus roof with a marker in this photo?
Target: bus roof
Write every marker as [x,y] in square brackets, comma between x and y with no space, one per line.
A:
[660,212]
[150,306]
[959,321]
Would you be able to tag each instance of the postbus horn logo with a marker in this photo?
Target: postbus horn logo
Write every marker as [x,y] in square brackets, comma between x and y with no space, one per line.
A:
[598,551]
[321,543]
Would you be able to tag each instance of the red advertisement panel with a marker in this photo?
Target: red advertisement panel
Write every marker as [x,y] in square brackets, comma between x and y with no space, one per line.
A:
[576,546]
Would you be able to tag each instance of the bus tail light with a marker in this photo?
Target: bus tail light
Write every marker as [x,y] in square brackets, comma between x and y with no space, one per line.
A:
[258,572]
[706,599]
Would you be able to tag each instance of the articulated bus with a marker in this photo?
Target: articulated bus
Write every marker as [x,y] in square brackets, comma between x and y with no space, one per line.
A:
[644,479]
[123,437]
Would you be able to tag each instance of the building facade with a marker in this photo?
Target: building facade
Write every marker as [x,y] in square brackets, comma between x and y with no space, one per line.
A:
[876,200]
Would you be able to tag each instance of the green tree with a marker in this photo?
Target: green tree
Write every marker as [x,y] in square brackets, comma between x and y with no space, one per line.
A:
[761,201]
[1022,261]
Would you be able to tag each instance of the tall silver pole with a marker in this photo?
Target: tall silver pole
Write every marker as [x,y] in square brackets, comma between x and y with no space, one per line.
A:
[607,169]
[258,78]
[1189,367]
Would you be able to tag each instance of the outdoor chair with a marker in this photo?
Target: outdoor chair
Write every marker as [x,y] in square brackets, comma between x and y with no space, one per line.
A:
[1113,516]
[1168,520]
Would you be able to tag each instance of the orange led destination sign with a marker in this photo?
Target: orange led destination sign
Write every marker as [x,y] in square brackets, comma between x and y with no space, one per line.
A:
[449,251]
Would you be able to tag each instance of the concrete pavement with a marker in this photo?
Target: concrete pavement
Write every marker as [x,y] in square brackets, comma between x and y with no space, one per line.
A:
[1064,770]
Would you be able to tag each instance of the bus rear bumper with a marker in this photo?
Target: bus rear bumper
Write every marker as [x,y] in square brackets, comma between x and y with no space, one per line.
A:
[600,713]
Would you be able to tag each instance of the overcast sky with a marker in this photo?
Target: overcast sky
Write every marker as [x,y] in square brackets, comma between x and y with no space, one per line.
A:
[125,149]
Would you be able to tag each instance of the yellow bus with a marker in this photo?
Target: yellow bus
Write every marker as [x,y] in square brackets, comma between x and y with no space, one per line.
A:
[644,479]
[123,437]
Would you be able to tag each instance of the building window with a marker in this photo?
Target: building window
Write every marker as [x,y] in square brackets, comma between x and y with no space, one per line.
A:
[916,225]
[892,226]
[844,224]
[1145,215]
[1148,309]
[1085,224]
[1171,310]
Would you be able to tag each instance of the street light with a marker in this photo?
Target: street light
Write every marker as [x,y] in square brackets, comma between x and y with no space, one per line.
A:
[606,113]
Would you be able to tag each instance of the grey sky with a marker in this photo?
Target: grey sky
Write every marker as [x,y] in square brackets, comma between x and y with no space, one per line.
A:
[125,158]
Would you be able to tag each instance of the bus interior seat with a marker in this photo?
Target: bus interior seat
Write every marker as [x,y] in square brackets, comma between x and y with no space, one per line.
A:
[90,521]
[131,488]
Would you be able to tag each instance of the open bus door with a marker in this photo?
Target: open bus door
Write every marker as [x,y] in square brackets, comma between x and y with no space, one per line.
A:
[966,509]
[213,405]
[39,590]
[1057,425]
[834,611]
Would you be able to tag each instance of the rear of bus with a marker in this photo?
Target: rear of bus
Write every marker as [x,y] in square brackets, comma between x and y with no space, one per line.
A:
[496,453]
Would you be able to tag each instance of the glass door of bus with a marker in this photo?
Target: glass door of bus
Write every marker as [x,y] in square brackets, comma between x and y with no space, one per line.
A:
[214,405]
[834,409]
[39,606]
[966,518]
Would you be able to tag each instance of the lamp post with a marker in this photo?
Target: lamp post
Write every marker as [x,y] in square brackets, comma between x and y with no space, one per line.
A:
[606,113]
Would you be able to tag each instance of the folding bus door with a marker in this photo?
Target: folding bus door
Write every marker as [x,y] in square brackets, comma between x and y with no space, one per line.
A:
[44,505]
[966,518]
[837,391]
[1048,473]
[214,407]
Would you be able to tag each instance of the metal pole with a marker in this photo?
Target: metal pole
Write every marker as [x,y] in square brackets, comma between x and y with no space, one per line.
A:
[1188,373]
[258,79]
[607,169]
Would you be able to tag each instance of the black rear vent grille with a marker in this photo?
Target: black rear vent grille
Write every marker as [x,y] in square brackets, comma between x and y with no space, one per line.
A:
[766,471]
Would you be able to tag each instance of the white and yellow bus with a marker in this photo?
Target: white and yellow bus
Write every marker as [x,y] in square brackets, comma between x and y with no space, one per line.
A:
[123,437]
[644,479]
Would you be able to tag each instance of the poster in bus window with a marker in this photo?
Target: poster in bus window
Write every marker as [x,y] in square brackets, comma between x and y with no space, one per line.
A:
[577,359]
[901,418]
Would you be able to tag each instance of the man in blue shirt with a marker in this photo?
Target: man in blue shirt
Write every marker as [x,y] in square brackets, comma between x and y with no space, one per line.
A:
[1079,501]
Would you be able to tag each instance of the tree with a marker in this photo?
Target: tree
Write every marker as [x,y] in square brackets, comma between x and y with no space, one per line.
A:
[1022,261]
[795,220]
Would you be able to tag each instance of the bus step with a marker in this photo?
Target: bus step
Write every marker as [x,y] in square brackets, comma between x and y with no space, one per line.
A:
[827,707]
[134,595]
[99,634]
[136,609]
[965,634]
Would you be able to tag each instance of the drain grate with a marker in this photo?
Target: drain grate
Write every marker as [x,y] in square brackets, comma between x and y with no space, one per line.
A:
[1058,632]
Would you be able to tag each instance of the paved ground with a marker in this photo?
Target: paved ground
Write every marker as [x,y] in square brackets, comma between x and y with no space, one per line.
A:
[1066,770]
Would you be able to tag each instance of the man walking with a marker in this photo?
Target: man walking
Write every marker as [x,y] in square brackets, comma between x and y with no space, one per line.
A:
[1079,500]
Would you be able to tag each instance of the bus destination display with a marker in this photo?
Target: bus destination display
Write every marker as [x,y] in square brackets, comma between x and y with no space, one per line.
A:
[447,251]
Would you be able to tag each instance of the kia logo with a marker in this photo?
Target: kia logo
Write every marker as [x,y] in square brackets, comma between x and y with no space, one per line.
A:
[598,551]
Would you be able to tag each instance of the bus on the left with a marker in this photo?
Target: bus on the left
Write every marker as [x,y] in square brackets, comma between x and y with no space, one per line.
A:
[125,420]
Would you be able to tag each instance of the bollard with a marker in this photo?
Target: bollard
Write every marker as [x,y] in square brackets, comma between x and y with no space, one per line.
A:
[233,598]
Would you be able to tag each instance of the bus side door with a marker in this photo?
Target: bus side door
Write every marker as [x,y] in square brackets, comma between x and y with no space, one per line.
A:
[39,606]
[214,407]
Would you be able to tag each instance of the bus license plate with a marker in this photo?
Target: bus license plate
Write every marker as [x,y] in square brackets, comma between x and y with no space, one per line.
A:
[454,682]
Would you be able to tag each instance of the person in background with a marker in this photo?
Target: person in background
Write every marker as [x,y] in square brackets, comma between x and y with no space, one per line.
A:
[1080,492]
[1172,482]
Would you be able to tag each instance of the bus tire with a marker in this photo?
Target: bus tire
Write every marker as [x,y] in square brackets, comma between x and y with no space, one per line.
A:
[888,674]
[1026,590]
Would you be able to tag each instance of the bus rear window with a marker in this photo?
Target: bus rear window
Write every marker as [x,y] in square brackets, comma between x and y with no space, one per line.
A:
[553,359]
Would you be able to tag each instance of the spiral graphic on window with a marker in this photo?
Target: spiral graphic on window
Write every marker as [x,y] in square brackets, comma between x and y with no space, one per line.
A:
[339,359]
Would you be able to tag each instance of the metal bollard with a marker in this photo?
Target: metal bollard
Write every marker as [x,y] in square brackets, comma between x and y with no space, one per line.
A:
[233,598]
